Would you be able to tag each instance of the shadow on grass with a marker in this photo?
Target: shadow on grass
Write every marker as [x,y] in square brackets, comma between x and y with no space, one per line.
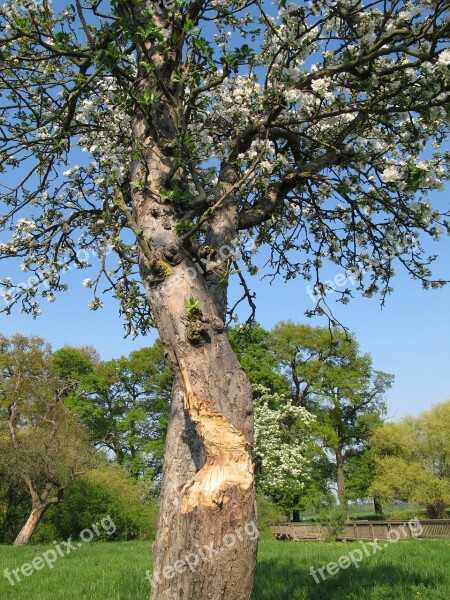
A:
[291,581]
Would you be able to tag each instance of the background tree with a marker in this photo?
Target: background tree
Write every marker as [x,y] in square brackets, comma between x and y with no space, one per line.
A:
[14,499]
[107,491]
[252,345]
[321,158]
[360,474]
[302,352]
[269,374]
[125,405]
[413,460]
[47,447]
[338,385]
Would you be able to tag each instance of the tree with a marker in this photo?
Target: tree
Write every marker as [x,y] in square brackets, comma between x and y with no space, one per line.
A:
[251,344]
[303,130]
[338,385]
[412,460]
[302,352]
[107,491]
[47,447]
[283,448]
[125,403]
[359,474]
[14,499]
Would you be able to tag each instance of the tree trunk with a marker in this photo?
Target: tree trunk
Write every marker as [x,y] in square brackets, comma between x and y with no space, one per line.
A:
[207,539]
[296,516]
[25,534]
[378,507]
[436,511]
[206,542]
[340,480]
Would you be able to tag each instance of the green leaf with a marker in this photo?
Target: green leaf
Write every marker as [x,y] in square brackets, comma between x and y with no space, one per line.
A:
[183,226]
[189,25]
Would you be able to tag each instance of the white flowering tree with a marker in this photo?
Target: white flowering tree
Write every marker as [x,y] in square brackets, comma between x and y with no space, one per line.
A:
[283,442]
[316,129]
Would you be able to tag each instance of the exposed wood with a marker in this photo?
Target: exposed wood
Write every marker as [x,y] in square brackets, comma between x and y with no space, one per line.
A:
[228,462]
[25,534]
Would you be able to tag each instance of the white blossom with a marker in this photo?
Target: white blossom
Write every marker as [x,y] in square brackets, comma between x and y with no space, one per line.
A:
[391,174]
[444,58]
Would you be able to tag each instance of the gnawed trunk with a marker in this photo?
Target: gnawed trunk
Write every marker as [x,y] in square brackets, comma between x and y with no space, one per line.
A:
[206,541]
[25,534]
[207,538]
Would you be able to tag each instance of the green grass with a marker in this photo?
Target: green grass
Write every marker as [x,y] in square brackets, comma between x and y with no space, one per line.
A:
[96,571]
[116,571]
[405,570]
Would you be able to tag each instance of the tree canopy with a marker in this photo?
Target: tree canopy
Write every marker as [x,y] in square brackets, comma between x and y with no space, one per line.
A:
[320,127]
[284,448]
[252,345]
[124,403]
[338,384]
[45,448]
[413,459]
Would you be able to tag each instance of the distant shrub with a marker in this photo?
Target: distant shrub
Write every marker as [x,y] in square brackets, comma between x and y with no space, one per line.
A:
[45,532]
[334,520]
[105,492]
[403,515]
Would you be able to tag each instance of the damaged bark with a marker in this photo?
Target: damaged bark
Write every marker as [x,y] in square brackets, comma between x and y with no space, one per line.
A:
[207,499]
[25,534]
[208,482]
[208,488]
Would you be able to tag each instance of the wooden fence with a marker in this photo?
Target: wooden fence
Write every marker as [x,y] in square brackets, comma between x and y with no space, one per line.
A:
[365,530]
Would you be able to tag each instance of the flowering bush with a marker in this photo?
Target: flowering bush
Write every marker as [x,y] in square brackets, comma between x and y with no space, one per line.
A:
[281,438]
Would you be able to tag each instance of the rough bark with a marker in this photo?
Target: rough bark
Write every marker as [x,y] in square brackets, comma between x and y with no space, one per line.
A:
[378,507]
[203,548]
[340,480]
[25,534]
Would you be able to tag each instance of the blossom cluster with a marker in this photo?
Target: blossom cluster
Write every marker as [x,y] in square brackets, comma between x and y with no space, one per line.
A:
[333,116]
[281,438]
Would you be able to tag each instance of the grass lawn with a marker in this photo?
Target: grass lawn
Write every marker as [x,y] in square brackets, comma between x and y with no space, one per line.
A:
[402,571]
[116,571]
